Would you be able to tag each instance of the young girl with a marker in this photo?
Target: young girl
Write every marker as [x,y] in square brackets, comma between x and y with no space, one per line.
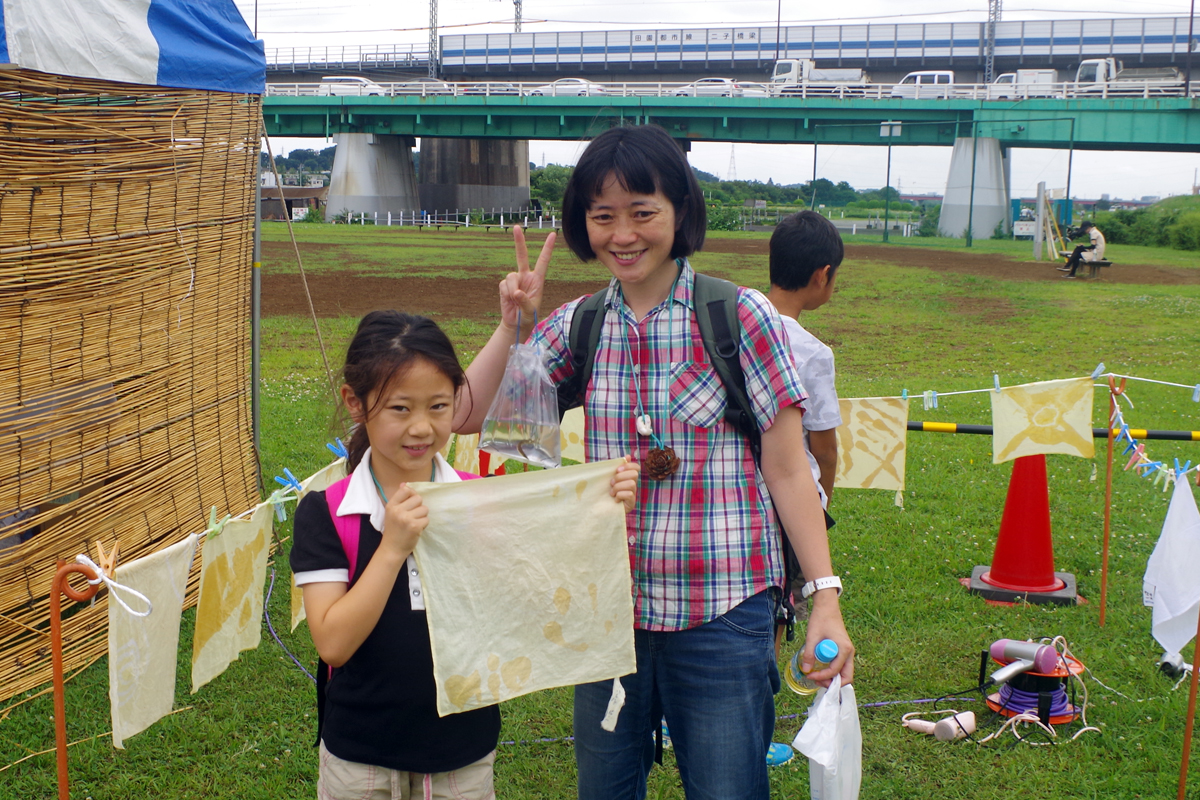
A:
[704,541]
[379,730]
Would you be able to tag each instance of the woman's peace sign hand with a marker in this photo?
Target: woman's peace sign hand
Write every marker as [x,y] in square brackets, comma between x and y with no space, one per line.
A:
[522,290]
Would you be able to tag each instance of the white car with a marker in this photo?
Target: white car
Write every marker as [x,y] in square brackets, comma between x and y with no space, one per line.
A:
[568,87]
[925,85]
[423,86]
[720,87]
[349,86]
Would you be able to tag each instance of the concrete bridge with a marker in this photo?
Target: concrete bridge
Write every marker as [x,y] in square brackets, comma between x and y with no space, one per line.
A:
[475,152]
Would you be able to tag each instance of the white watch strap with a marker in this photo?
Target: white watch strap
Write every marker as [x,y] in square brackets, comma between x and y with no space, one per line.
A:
[831,582]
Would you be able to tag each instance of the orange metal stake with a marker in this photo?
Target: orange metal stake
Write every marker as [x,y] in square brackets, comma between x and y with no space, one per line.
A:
[1113,392]
[61,584]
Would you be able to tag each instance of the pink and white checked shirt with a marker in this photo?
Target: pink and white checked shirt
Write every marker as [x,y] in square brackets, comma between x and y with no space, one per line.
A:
[706,538]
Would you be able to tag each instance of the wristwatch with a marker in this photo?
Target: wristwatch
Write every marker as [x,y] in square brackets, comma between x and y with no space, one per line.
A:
[832,582]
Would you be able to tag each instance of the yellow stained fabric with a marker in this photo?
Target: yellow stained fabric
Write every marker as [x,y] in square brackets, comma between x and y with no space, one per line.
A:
[1044,417]
[228,618]
[872,443]
[571,428]
[317,482]
[466,453]
[143,651]
[527,584]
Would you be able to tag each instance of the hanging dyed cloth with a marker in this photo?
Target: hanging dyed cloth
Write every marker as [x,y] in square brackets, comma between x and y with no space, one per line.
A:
[229,616]
[143,651]
[872,443]
[1043,418]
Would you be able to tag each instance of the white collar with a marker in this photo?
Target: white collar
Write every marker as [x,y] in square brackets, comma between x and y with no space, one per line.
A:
[363,498]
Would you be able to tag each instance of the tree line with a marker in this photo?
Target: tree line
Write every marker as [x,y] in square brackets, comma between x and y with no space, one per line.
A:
[547,184]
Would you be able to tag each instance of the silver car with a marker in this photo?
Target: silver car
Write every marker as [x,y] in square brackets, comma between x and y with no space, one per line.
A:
[349,86]
[423,87]
[492,88]
[568,87]
[720,87]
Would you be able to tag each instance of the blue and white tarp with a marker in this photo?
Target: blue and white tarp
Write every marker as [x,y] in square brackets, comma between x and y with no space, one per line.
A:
[188,44]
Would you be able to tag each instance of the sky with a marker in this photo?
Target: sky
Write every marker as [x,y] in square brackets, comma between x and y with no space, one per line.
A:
[314,23]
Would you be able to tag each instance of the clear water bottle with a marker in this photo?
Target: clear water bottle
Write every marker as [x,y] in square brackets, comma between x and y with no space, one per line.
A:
[796,680]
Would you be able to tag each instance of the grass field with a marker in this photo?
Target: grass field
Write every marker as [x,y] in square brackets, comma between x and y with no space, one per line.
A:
[249,734]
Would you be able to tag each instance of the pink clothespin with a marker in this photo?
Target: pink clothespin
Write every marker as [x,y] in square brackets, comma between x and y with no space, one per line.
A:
[1136,457]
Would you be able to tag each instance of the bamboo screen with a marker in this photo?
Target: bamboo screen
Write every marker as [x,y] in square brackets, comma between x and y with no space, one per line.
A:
[126,241]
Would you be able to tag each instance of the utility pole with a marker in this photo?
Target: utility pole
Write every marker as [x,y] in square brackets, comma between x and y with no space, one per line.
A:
[433,39]
[517,16]
[989,67]
[732,174]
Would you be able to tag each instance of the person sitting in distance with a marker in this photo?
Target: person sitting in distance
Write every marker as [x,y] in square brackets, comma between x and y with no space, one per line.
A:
[1092,251]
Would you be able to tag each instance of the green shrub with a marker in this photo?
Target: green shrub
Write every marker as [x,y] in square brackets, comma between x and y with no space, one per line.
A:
[721,218]
[313,214]
[998,232]
[929,222]
[1185,233]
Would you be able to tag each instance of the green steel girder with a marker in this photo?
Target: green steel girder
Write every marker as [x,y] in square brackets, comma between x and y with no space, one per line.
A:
[1163,124]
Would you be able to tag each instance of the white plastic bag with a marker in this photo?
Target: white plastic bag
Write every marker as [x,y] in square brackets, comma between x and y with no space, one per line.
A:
[832,740]
[522,422]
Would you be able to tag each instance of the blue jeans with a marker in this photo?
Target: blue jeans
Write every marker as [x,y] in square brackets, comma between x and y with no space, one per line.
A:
[714,684]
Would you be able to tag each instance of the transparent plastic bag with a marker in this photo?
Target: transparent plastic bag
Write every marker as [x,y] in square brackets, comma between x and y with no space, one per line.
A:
[522,423]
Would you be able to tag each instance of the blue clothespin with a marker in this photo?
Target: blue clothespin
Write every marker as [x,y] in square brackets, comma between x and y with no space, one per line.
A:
[337,448]
[1098,371]
[935,402]
[996,379]
[289,481]
[1126,436]
[904,393]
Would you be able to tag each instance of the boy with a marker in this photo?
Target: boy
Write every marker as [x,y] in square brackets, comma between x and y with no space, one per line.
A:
[805,253]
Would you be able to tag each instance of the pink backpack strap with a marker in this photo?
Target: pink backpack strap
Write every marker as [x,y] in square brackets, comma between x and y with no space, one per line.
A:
[467,476]
[347,527]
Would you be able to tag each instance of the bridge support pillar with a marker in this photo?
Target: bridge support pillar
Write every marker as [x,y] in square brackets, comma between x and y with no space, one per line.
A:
[991,189]
[372,173]
[474,173]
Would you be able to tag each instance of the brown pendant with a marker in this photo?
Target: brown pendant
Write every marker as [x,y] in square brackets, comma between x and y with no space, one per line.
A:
[661,463]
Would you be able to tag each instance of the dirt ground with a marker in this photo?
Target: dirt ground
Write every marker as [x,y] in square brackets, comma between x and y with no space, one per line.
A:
[346,293]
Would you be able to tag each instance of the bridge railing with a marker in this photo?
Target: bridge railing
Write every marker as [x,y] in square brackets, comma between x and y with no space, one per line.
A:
[295,59]
[883,91]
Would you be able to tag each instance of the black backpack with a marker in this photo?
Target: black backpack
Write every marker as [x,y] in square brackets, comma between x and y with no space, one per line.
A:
[716,314]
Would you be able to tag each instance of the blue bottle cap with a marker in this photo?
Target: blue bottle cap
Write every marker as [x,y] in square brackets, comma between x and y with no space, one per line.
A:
[826,651]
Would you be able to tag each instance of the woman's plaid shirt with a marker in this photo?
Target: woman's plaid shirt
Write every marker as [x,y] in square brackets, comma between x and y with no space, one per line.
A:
[706,538]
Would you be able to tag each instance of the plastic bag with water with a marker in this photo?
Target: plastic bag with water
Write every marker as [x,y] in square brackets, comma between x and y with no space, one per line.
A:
[522,422]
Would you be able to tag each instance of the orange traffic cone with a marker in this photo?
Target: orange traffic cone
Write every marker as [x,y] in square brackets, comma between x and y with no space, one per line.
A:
[1023,564]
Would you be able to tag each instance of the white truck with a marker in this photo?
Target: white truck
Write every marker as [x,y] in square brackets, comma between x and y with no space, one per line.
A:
[1024,83]
[1107,76]
[801,76]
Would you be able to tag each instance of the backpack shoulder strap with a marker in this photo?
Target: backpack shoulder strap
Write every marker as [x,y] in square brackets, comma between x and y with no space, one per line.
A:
[716,314]
[347,527]
[584,338]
